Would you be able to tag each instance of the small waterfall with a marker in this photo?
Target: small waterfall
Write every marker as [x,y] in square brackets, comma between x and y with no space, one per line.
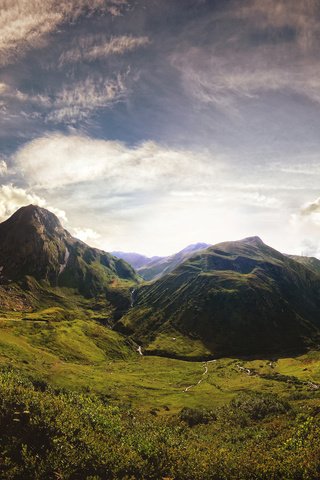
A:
[132,297]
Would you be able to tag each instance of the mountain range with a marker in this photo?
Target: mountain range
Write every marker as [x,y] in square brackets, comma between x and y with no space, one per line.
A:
[150,268]
[233,298]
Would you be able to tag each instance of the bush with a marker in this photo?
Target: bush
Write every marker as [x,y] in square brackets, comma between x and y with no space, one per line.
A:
[259,405]
[50,435]
[195,416]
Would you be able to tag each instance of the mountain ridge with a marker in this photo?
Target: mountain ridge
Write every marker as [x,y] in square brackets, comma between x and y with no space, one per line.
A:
[38,254]
[240,297]
[151,268]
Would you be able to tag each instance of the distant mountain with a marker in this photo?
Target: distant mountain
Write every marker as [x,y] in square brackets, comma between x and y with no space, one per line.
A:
[150,268]
[36,253]
[234,298]
[311,262]
[158,267]
[135,259]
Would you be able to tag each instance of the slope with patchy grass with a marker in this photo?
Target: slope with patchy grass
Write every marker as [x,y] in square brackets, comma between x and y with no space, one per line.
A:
[236,298]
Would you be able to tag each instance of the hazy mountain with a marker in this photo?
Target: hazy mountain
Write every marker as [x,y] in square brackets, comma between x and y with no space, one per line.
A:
[233,298]
[158,267]
[311,262]
[37,252]
[135,259]
[150,268]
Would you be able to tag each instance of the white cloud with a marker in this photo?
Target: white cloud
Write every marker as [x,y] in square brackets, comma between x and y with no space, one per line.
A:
[222,79]
[80,100]
[3,168]
[73,102]
[243,67]
[24,23]
[92,48]
[12,198]
[58,160]
[85,234]
[311,208]
[305,225]
[152,198]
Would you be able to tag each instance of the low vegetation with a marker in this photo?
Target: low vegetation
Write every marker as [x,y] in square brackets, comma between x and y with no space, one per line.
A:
[51,434]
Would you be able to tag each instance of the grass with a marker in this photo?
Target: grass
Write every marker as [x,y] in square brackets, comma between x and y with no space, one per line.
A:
[83,355]
[77,400]
[50,434]
[175,343]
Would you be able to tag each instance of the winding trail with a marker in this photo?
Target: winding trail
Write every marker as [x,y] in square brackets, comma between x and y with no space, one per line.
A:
[246,370]
[253,373]
[205,366]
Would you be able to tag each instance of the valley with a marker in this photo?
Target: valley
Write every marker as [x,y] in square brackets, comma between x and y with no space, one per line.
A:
[106,375]
[84,356]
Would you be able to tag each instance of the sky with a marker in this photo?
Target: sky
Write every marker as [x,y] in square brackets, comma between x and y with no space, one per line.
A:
[147,125]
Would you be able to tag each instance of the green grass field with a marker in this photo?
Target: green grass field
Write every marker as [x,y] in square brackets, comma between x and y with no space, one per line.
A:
[78,401]
[84,355]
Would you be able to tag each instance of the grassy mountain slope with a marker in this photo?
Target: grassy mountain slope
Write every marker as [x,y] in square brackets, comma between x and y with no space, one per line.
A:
[42,264]
[159,266]
[233,298]
[311,262]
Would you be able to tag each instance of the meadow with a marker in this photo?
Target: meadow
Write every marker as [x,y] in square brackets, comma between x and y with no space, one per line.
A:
[78,401]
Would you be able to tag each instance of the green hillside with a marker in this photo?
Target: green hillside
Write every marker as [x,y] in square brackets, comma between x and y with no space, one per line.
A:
[311,262]
[156,267]
[43,265]
[235,298]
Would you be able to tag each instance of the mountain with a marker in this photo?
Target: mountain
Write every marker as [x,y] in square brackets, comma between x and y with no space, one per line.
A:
[234,298]
[311,262]
[158,267]
[154,267]
[37,255]
[135,259]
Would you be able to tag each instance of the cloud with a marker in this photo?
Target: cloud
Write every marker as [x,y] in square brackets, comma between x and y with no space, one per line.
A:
[269,46]
[12,198]
[151,188]
[24,23]
[92,48]
[3,168]
[80,100]
[85,234]
[224,79]
[311,208]
[59,160]
[310,248]
[73,102]
[300,16]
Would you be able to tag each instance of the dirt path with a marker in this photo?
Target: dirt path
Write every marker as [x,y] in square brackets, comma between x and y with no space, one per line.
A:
[253,373]
[245,370]
[205,366]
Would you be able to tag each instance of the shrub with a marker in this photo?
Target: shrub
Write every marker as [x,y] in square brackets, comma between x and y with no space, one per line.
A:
[259,405]
[195,416]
